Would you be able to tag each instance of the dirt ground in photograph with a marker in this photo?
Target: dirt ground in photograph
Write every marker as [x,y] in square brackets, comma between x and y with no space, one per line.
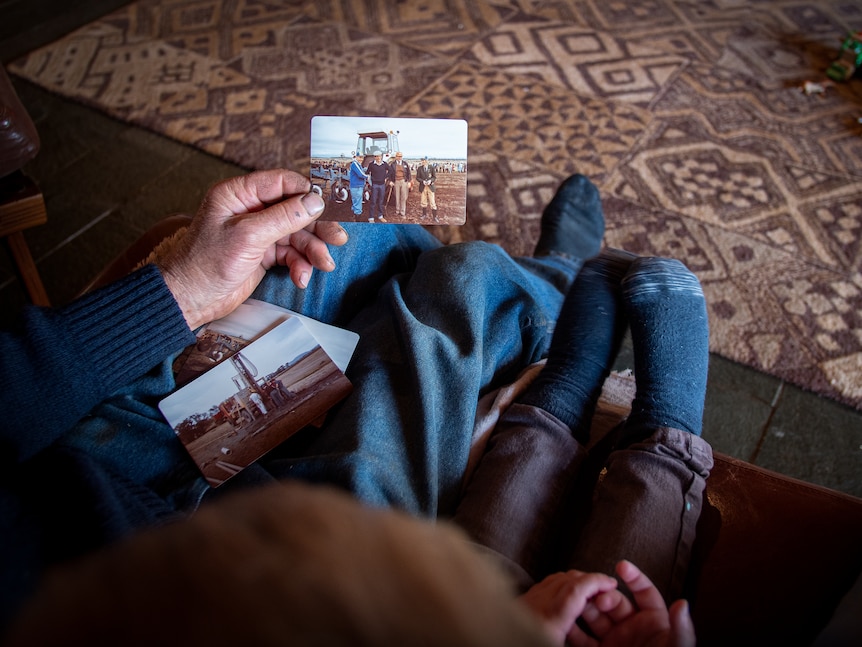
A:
[451,196]
[226,449]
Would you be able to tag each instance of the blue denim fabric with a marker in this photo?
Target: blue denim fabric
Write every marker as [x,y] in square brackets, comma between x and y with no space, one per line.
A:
[378,196]
[439,326]
[465,319]
[356,199]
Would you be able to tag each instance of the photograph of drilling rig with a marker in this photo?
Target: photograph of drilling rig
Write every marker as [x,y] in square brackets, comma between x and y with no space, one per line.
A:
[254,399]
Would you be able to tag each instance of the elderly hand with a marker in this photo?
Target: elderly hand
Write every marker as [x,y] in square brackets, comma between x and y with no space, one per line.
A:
[245,226]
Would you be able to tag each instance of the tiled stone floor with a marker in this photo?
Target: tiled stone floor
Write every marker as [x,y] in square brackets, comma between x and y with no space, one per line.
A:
[106,182]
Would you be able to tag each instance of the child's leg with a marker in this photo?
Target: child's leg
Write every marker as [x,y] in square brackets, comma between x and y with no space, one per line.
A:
[586,340]
[511,504]
[434,337]
[670,335]
[648,499]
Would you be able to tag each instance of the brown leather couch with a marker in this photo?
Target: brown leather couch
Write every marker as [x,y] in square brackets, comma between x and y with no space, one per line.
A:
[773,556]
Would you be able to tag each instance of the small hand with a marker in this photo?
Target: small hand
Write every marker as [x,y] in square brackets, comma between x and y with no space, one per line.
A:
[245,226]
[614,620]
[561,598]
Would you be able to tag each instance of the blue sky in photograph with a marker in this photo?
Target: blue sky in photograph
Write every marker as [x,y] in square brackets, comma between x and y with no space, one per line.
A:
[436,138]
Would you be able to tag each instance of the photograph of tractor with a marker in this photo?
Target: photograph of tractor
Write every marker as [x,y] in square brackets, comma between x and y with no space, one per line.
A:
[331,174]
[432,149]
[377,143]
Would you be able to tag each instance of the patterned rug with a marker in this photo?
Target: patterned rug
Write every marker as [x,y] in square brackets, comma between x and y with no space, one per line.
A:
[689,115]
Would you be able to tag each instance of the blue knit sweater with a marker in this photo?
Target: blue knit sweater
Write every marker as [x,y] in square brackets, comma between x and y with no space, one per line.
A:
[57,503]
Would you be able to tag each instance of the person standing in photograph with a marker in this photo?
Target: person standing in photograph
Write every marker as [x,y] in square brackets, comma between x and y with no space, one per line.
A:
[401,182]
[378,170]
[427,178]
[357,183]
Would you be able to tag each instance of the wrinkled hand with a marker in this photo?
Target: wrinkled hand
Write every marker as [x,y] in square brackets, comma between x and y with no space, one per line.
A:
[559,599]
[615,621]
[245,226]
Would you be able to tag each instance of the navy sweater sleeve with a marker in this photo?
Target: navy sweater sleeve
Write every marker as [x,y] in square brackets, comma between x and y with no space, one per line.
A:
[64,361]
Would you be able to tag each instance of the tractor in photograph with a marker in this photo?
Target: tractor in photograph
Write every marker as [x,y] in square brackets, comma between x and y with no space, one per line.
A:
[333,176]
[376,142]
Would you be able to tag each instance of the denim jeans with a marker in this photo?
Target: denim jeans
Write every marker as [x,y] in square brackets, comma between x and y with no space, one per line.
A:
[438,325]
[378,196]
[356,199]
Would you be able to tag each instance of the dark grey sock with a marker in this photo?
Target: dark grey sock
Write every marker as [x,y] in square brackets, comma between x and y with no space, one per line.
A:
[667,314]
[585,342]
[573,223]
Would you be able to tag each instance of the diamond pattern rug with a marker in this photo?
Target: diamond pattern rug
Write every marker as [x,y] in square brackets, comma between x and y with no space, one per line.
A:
[689,116]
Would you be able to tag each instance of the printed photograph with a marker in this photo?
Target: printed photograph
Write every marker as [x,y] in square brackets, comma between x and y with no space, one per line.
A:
[391,169]
[223,337]
[254,399]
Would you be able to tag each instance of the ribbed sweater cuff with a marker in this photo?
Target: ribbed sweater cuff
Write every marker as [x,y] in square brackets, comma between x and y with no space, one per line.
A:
[128,327]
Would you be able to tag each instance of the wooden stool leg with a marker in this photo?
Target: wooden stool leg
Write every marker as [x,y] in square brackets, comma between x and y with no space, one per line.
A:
[27,268]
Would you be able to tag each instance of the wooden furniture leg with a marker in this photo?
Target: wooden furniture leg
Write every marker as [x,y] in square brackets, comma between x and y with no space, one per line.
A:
[27,268]
[22,206]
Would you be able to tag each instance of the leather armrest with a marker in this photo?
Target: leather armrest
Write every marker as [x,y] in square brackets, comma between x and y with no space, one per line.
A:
[773,556]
